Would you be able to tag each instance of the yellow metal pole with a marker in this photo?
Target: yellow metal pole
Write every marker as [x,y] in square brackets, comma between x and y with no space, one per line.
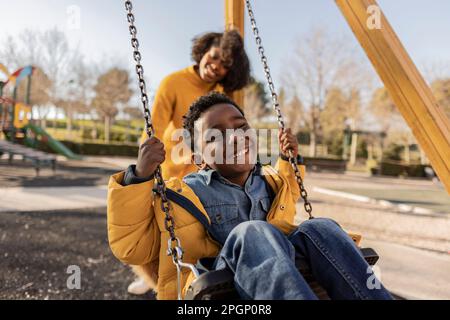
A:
[234,19]
[408,89]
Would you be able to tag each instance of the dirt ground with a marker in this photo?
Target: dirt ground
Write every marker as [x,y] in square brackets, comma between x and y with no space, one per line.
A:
[37,248]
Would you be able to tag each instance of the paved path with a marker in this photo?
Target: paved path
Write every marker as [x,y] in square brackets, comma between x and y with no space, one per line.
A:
[413,273]
[74,185]
[20,199]
[398,236]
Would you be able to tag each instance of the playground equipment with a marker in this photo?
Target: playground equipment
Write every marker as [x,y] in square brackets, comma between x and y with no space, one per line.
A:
[41,136]
[16,122]
[38,158]
[15,115]
[22,114]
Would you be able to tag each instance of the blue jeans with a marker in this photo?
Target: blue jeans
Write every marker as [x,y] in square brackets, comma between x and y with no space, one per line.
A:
[262,259]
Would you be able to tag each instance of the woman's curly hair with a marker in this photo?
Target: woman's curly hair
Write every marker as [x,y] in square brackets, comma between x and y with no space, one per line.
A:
[233,53]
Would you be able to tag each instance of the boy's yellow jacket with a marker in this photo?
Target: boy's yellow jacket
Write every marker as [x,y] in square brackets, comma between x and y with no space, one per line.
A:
[137,235]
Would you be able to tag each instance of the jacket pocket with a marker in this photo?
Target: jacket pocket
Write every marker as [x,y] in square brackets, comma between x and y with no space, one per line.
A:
[221,214]
[224,217]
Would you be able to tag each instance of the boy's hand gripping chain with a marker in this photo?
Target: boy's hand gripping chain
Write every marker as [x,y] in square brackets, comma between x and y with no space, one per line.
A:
[174,245]
[276,106]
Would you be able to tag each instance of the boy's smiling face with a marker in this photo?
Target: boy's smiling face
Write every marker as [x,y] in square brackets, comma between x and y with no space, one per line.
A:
[236,152]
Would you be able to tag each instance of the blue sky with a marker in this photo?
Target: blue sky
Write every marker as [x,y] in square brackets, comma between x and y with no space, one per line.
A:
[167,27]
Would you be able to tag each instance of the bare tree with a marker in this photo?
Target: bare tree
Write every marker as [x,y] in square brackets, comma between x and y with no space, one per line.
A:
[79,92]
[59,60]
[341,112]
[320,62]
[132,113]
[21,50]
[50,52]
[24,50]
[40,90]
[391,121]
[295,114]
[111,91]
[255,101]
[334,115]
[384,109]
[436,70]
[441,90]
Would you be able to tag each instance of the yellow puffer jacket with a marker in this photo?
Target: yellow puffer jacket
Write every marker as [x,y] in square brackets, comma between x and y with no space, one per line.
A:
[136,224]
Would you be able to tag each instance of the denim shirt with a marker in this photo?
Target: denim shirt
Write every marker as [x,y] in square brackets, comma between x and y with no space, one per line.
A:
[228,204]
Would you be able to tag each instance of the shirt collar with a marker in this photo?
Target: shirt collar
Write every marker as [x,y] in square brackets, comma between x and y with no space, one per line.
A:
[209,174]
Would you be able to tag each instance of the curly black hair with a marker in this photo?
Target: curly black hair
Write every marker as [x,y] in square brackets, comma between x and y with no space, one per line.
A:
[199,106]
[233,53]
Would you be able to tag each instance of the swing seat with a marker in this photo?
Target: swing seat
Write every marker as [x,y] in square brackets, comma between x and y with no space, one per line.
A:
[219,284]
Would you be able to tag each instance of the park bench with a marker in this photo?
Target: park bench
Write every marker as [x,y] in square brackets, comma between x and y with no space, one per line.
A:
[38,158]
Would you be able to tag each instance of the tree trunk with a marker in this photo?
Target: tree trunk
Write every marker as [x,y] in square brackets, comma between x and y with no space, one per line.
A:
[128,139]
[107,127]
[313,133]
[69,124]
[370,152]
[82,127]
[353,149]
[382,142]
[312,144]
[55,120]
[345,144]
[407,154]
[94,133]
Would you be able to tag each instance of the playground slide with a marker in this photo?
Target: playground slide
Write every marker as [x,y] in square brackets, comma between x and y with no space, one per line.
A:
[54,144]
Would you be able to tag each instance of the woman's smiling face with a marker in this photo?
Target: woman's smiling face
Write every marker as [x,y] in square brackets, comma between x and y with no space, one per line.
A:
[212,68]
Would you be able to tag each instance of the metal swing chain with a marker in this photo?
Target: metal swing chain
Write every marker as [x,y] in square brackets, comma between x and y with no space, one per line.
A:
[276,106]
[174,245]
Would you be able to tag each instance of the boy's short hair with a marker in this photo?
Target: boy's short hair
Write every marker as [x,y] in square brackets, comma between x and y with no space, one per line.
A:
[199,106]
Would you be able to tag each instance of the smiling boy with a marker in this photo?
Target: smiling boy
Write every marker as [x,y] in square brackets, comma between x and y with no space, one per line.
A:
[246,217]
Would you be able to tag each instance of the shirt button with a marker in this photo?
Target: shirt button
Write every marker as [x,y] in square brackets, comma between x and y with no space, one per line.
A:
[282,207]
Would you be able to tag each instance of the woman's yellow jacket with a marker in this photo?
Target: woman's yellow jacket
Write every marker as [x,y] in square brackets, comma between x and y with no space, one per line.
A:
[136,224]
